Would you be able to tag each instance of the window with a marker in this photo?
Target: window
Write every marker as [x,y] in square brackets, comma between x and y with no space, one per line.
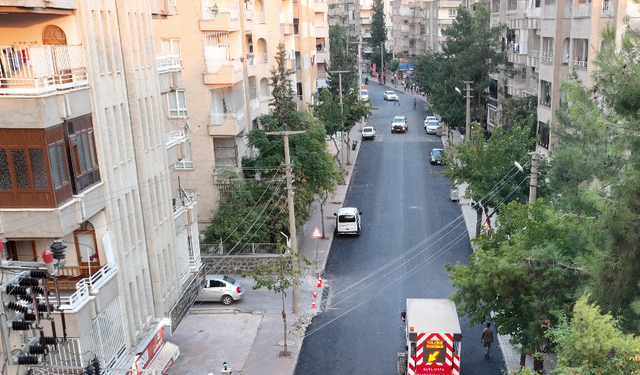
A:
[22,251]
[58,164]
[225,152]
[171,46]
[177,103]
[86,246]
[187,160]
[81,145]
[452,13]
[543,131]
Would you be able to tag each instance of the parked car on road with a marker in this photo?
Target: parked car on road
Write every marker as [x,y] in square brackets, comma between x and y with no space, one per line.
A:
[431,126]
[390,95]
[399,124]
[436,156]
[364,95]
[348,221]
[368,132]
[221,288]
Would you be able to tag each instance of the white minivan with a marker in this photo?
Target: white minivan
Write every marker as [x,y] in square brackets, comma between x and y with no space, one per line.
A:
[348,221]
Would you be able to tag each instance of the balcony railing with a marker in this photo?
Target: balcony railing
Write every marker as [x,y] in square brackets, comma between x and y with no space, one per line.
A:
[40,70]
[169,62]
[220,118]
[547,58]
[213,66]
[262,18]
[210,13]
[549,11]
[263,57]
[85,285]
[579,64]
[251,61]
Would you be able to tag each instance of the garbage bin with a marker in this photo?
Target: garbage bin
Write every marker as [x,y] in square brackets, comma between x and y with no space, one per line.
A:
[454,193]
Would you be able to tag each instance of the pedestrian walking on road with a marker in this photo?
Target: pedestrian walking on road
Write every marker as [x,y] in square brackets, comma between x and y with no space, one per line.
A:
[487,340]
[397,101]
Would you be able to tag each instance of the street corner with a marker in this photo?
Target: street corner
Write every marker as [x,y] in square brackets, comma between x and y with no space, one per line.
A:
[207,340]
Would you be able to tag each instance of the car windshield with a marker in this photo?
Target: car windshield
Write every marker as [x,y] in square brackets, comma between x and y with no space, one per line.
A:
[229,280]
[436,152]
[431,122]
[364,92]
[367,130]
[398,121]
[347,218]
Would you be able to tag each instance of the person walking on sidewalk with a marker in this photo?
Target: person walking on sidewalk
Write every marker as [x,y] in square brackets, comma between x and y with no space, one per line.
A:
[487,340]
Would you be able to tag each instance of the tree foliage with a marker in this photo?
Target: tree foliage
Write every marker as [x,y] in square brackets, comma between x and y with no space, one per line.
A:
[341,60]
[378,28]
[525,273]
[471,52]
[596,169]
[592,343]
[282,94]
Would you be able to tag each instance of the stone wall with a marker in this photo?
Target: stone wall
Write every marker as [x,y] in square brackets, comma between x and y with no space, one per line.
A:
[235,265]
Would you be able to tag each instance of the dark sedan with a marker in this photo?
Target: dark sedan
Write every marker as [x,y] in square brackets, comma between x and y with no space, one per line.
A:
[436,156]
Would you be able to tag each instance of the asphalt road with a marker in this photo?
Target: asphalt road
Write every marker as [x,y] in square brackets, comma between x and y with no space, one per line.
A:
[401,253]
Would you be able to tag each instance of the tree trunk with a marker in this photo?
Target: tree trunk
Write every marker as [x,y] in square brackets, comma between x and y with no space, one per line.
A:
[523,358]
[478,209]
[538,365]
[322,216]
[337,155]
[285,352]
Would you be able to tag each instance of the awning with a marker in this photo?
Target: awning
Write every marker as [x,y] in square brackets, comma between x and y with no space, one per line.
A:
[165,358]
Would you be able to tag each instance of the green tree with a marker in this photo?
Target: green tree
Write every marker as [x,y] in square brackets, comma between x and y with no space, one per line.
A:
[592,343]
[378,28]
[596,169]
[393,65]
[471,52]
[524,274]
[278,276]
[341,60]
[485,161]
[282,103]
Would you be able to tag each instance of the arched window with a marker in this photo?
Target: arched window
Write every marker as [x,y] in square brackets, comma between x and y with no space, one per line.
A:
[53,35]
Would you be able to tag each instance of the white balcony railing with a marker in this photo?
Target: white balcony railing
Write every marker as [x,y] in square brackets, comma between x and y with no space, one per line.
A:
[251,60]
[169,62]
[547,58]
[549,11]
[581,10]
[254,104]
[213,66]
[210,13]
[262,18]
[39,70]
[263,57]
[579,64]
[220,118]
[86,285]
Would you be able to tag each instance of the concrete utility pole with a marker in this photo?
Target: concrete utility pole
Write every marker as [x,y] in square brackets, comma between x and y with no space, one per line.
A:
[468,97]
[339,73]
[292,216]
[382,60]
[533,178]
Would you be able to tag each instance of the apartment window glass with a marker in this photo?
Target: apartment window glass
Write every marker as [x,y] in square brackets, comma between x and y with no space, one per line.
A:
[177,103]
[187,160]
[5,183]
[452,13]
[171,46]
[82,151]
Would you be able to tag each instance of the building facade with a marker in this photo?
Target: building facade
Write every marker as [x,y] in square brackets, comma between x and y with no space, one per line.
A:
[223,86]
[546,41]
[85,156]
[355,17]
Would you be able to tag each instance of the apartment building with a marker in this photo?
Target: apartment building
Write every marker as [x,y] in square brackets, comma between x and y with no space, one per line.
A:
[418,26]
[546,41]
[85,156]
[227,49]
[355,17]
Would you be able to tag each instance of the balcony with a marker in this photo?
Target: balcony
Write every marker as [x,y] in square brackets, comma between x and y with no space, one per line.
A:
[225,19]
[168,62]
[549,11]
[322,31]
[321,57]
[320,6]
[40,5]
[547,58]
[579,64]
[251,65]
[607,9]
[495,19]
[42,70]
[296,42]
[223,73]
[228,124]
[55,222]
[262,18]
[286,23]
[581,10]
[163,7]
[533,12]
[175,142]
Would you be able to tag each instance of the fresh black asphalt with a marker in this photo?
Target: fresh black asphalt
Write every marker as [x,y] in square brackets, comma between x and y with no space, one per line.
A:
[400,254]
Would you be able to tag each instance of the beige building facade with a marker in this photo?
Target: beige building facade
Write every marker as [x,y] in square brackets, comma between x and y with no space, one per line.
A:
[85,156]
[227,49]
[546,41]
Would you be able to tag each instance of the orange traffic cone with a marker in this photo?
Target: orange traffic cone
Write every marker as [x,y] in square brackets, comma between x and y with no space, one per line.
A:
[319,281]
[315,295]
[313,304]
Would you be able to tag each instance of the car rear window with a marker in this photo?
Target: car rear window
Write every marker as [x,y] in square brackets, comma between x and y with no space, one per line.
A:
[347,218]
[432,122]
[437,153]
[229,280]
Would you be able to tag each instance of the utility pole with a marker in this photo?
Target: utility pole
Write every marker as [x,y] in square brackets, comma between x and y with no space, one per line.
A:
[382,60]
[292,216]
[468,97]
[340,72]
[533,178]
[360,70]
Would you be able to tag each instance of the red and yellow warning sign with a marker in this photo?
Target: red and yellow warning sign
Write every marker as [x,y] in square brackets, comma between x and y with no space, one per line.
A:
[434,355]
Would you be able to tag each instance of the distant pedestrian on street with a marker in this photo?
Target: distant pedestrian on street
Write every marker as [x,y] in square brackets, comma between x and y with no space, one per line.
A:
[487,340]
[397,101]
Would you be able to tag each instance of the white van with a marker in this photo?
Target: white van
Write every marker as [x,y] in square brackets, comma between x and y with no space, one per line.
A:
[348,221]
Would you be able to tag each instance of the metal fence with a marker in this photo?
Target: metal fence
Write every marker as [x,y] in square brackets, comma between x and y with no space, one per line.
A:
[231,248]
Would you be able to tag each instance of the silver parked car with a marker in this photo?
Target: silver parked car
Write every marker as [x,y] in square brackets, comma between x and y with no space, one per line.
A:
[221,288]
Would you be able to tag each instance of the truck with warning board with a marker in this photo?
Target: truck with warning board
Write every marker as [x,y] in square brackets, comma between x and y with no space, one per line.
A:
[433,338]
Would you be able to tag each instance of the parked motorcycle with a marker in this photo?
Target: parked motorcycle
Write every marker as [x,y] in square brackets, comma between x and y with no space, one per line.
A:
[354,144]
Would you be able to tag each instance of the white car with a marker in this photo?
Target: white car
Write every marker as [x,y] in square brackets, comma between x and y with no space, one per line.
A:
[364,95]
[390,95]
[368,132]
[431,125]
[348,221]
[221,288]
[399,125]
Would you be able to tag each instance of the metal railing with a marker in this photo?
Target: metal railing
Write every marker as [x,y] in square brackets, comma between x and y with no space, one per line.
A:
[169,62]
[251,61]
[231,248]
[213,66]
[263,57]
[84,287]
[607,9]
[37,70]
[220,118]
[547,58]
[579,64]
